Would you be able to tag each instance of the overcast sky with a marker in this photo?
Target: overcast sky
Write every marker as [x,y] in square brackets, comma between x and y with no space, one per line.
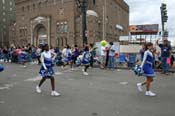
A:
[148,12]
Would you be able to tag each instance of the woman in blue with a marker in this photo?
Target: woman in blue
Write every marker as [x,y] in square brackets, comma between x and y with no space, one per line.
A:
[148,71]
[46,70]
[67,56]
[86,60]
[23,57]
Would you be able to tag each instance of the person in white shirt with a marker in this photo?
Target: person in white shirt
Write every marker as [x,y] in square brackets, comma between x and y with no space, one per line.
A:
[103,56]
[111,61]
[38,54]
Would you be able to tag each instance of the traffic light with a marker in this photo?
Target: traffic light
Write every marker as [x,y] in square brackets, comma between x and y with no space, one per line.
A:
[164,15]
[165,34]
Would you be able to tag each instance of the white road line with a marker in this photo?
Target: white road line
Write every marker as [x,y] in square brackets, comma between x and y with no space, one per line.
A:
[7,86]
[58,73]
[33,79]
[123,83]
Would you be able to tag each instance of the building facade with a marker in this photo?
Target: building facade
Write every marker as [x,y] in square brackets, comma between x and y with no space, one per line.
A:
[7,17]
[59,22]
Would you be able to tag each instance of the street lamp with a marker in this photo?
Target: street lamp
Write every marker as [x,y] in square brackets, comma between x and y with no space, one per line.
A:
[83,5]
[2,35]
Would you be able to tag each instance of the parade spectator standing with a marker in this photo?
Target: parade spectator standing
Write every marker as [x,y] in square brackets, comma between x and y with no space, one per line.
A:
[29,47]
[6,54]
[165,54]
[1,54]
[142,50]
[103,56]
[93,54]
[111,62]
[38,54]
[172,60]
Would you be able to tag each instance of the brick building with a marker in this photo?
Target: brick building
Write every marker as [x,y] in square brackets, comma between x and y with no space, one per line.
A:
[59,22]
[7,17]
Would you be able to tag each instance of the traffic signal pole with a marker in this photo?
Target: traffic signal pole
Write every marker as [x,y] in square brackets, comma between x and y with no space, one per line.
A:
[164,19]
[84,24]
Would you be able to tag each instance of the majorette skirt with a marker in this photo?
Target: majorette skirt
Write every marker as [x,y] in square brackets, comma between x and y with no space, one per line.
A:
[45,74]
[148,70]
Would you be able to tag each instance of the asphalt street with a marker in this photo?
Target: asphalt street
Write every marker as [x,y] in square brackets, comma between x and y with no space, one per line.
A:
[102,93]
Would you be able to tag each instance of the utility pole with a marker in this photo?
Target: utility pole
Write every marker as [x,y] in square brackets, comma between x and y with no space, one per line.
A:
[2,36]
[104,19]
[84,24]
[82,4]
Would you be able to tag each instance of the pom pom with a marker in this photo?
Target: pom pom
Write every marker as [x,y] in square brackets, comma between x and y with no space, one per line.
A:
[103,43]
[1,68]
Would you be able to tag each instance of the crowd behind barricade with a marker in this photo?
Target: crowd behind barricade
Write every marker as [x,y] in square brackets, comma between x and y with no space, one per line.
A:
[17,54]
[74,55]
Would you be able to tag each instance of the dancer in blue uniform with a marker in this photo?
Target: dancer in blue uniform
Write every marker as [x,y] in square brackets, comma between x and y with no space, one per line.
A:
[148,71]
[1,68]
[86,60]
[23,57]
[67,56]
[46,70]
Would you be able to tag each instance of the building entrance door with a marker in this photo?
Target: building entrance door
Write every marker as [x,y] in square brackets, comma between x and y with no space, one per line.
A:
[40,34]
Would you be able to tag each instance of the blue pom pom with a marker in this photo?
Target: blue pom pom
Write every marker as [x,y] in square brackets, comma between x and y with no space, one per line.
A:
[1,68]
[137,70]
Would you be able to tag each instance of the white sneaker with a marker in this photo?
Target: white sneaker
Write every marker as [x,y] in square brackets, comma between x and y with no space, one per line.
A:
[54,93]
[85,73]
[38,90]
[83,70]
[62,67]
[149,93]
[139,87]
[72,69]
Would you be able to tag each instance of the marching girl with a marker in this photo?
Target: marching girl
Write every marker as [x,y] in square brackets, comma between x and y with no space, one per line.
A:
[23,57]
[148,71]
[86,60]
[67,56]
[46,70]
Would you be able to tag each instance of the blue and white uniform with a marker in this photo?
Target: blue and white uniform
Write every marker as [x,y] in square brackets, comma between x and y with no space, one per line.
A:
[67,55]
[47,64]
[86,58]
[1,68]
[23,56]
[147,64]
